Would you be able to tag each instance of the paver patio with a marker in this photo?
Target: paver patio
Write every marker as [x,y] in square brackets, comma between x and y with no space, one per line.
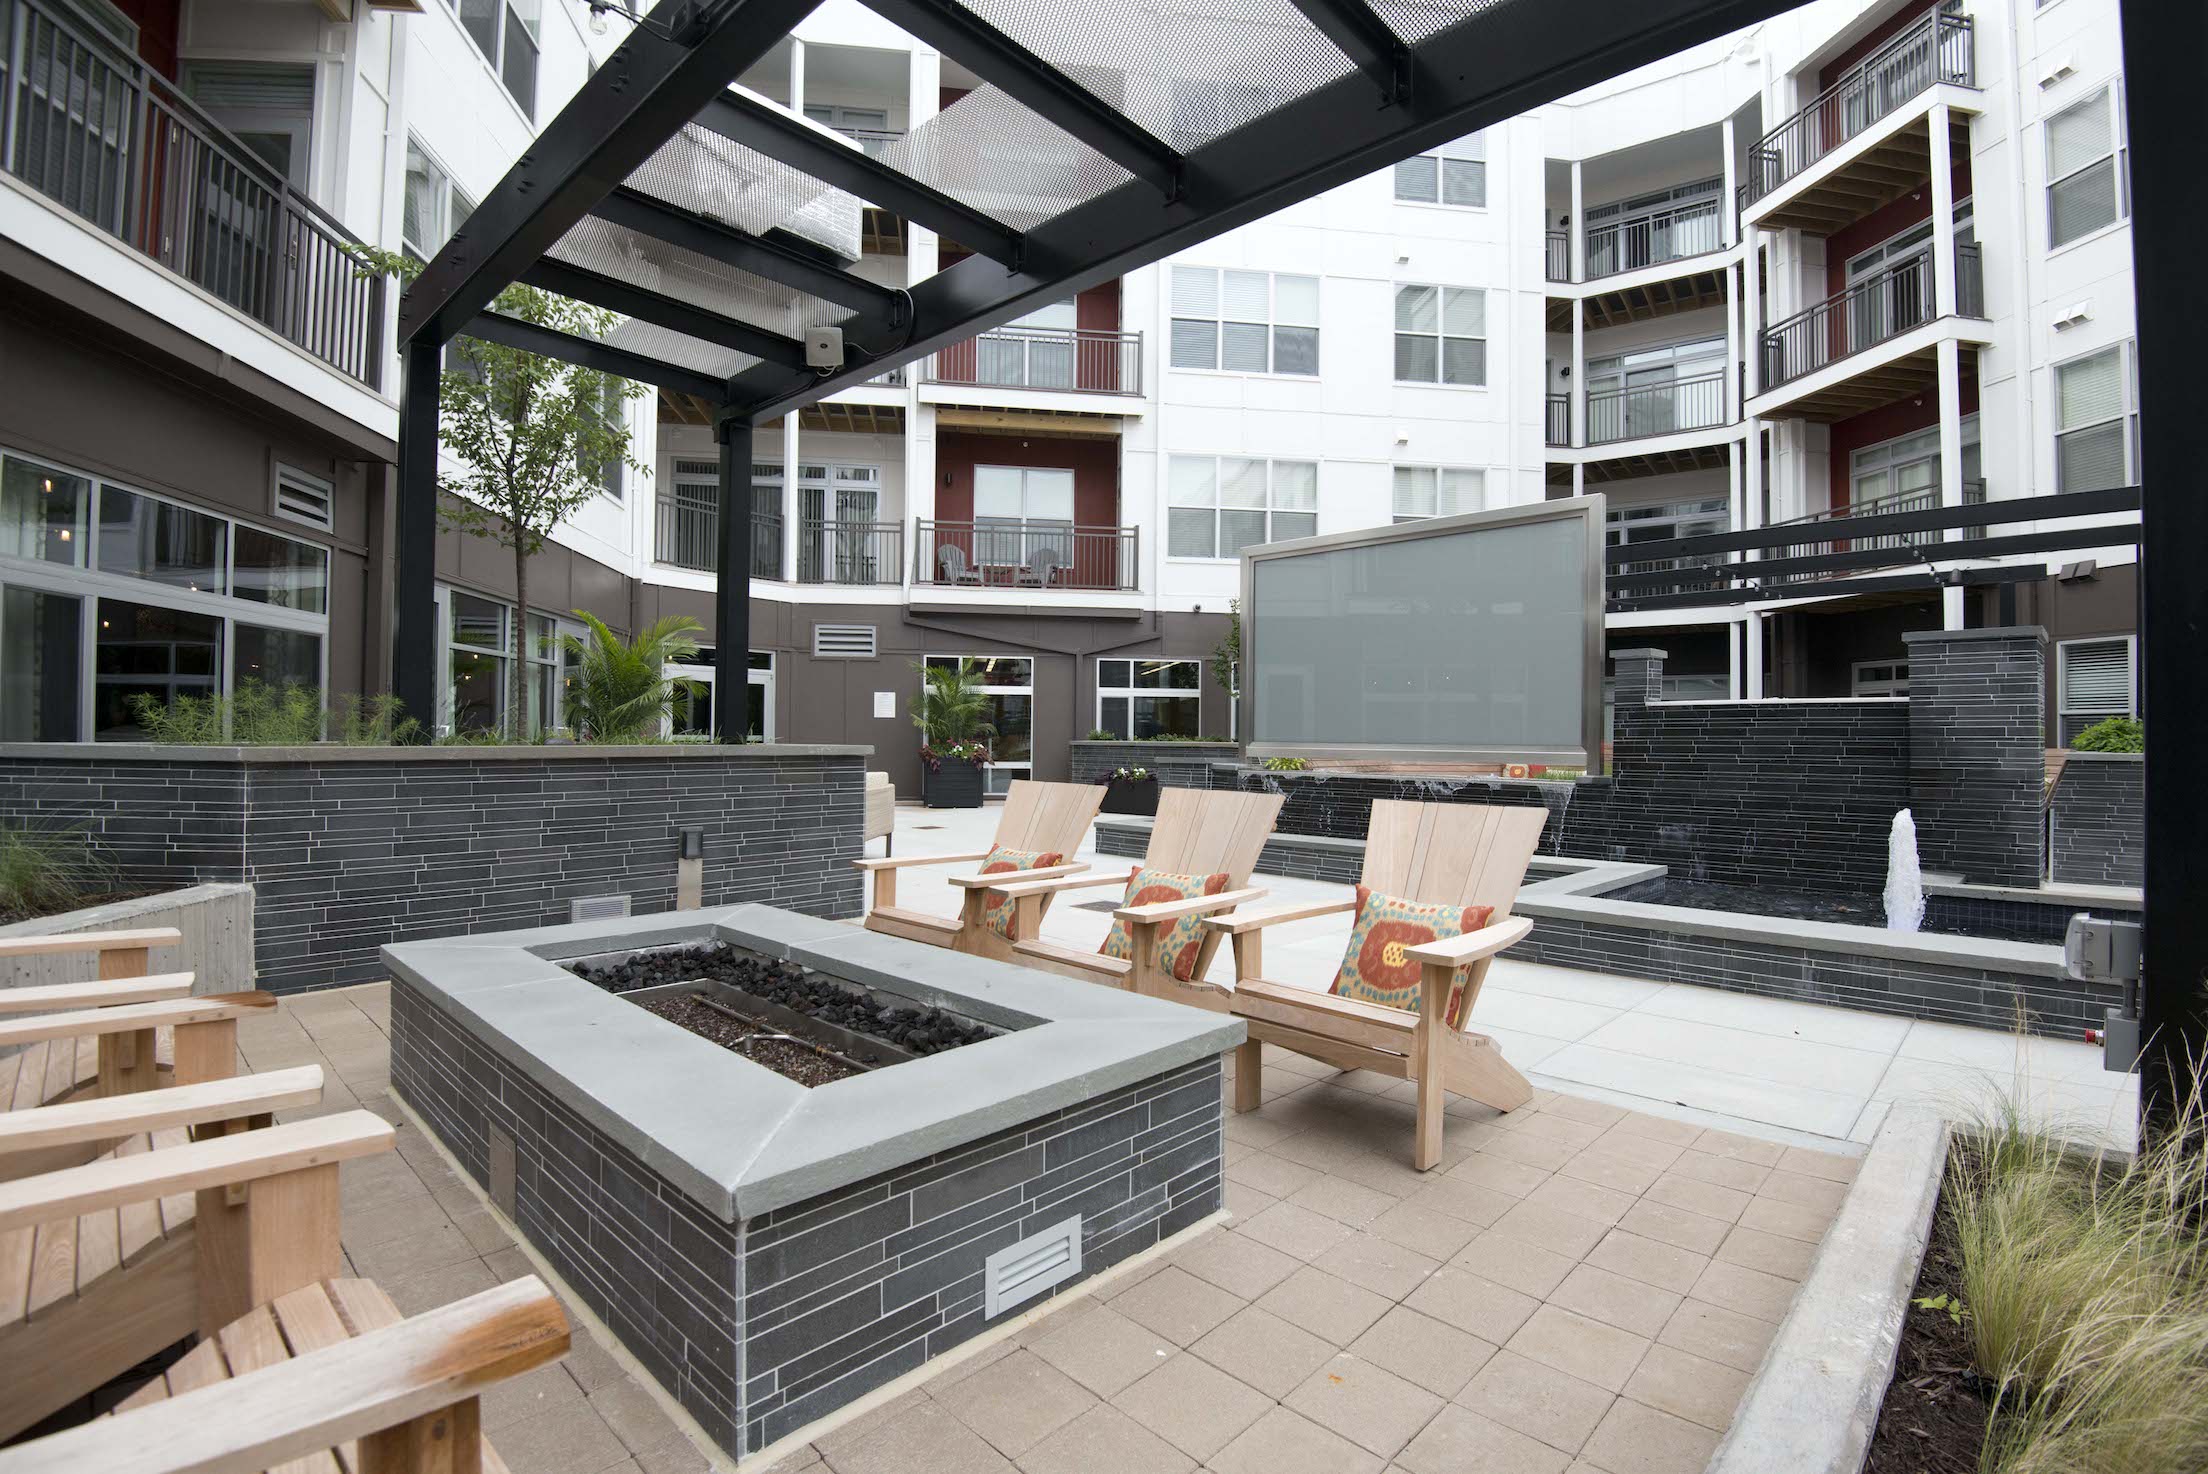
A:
[1581,1286]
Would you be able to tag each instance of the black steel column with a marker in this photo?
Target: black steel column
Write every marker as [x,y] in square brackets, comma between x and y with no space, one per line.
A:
[414,667]
[732,587]
[2164,48]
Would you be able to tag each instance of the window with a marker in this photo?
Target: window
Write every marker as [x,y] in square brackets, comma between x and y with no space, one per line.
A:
[280,572]
[1454,174]
[480,652]
[304,498]
[41,665]
[2087,174]
[1020,511]
[2097,420]
[268,106]
[146,538]
[2093,681]
[1246,322]
[433,207]
[1220,505]
[141,650]
[1903,475]
[1148,698]
[43,512]
[1881,678]
[1656,390]
[1437,491]
[1441,335]
[505,31]
[613,410]
[1008,683]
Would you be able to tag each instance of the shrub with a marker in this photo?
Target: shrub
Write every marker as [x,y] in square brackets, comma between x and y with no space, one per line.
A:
[1098,734]
[45,869]
[1285,765]
[260,715]
[1129,775]
[2113,734]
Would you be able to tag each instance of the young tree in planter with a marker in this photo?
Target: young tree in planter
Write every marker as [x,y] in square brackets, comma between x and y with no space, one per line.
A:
[534,437]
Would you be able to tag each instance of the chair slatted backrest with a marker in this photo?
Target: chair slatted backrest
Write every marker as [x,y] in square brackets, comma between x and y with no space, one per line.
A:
[1204,831]
[1048,817]
[1451,854]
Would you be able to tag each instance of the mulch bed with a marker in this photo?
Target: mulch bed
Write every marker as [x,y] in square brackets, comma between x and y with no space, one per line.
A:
[789,1060]
[1933,1420]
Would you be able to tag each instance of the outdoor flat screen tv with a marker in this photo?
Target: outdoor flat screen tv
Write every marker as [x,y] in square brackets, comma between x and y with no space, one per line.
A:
[1476,638]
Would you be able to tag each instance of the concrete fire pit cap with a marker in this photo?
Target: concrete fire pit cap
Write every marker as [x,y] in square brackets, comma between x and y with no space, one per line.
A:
[742,1140]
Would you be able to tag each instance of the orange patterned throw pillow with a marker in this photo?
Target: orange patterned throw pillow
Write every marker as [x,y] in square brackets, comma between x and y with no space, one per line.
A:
[1376,967]
[997,910]
[1183,939]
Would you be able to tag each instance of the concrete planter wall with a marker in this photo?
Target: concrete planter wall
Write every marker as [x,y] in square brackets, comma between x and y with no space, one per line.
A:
[348,848]
[2097,822]
[216,920]
[1177,764]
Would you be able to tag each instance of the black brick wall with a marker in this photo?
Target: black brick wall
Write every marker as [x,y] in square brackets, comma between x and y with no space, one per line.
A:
[2097,822]
[1177,764]
[1978,752]
[345,856]
[760,1327]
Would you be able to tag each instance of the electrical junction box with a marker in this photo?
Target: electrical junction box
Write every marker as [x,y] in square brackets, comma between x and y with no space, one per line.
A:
[824,348]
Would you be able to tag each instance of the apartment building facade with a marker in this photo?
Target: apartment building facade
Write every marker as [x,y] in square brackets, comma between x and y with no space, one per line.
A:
[1734,289]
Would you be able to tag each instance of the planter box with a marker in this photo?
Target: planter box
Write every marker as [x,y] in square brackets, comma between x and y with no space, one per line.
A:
[216,920]
[951,785]
[1176,764]
[1132,798]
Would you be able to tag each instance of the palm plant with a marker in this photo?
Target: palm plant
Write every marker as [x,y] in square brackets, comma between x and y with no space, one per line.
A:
[621,690]
[953,710]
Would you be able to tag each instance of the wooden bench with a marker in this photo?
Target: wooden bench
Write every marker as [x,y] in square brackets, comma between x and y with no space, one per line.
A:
[326,1378]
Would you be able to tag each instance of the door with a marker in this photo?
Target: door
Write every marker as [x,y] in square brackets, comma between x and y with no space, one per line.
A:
[1019,513]
[840,510]
[1035,351]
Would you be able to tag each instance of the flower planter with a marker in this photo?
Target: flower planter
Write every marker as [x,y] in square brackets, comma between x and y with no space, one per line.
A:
[951,784]
[1121,797]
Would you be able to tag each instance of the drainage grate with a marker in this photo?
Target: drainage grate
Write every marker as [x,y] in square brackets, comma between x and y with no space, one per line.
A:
[1026,1269]
[597,908]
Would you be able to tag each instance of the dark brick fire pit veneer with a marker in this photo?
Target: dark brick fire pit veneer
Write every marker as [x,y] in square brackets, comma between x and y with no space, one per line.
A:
[768,1252]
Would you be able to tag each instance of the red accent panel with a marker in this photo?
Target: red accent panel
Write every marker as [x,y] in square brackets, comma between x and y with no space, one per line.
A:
[1890,422]
[1893,26]
[158,24]
[1094,463]
[1884,223]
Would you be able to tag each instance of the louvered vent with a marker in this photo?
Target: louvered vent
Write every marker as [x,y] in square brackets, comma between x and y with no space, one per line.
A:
[597,908]
[1026,1269]
[843,641]
[304,498]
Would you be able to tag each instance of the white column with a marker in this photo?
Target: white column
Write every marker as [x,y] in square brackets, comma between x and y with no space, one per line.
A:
[1578,232]
[797,76]
[1751,516]
[1951,463]
[1731,386]
[789,496]
[1943,216]
[1576,402]
[1751,641]
[1733,663]
[1727,221]
[1579,479]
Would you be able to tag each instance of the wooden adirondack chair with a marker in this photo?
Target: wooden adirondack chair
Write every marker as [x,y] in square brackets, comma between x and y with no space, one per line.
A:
[1454,854]
[1042,818]
[1198,831]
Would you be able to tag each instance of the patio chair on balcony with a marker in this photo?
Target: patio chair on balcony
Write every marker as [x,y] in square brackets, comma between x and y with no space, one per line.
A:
[1040,826]
[952,567]
[1203,845]
[1040,570]
[1431,912]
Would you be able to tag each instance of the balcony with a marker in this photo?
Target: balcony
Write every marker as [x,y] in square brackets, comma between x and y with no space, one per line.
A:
[1937,49]
[1690,229]
[1875,310]
[106,138]
[1557,420]
[1030,557]
[1827,531]
[689,537]
[864,554]
[1060,360]
[1640,410]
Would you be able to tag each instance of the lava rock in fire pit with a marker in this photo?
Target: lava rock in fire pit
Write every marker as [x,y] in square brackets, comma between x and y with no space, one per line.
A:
[914,1029]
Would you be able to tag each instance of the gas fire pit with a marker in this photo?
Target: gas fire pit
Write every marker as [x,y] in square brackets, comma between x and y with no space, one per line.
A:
[787,1160]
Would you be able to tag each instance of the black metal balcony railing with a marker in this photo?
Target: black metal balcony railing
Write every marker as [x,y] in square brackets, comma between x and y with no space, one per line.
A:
[1684,567]
[1557,420]
[1004,554]
[1938,48]
[850,552]
[1082,360]
[105,137]
[874,142]
[1690,229]
[1829,529]
[689,537]
[1868,313]
[1556,251]
[1656,409]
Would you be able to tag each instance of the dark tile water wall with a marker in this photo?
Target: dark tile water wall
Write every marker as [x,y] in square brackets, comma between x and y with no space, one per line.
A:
[2097,821]
[761,1327]
[1177,764]
[1978,752]
[346,855]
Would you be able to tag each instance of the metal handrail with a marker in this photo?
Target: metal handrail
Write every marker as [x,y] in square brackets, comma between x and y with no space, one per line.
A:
[861,553]
[1879,307]
[94,129]
[1074,360]
[1556,249]
[1557,426]
[1671,234]
[1656,409]
[687,535]
[1833,521]
[1004,554]
[1939,48]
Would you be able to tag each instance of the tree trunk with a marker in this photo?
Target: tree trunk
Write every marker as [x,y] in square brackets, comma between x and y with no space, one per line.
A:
[517,684]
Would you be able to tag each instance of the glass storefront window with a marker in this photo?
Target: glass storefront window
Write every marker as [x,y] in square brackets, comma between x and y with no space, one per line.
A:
[282,572]
[157,540]
[141,650]
[42,513]
[478,622]
[41,660]
[478,681]
[277,657]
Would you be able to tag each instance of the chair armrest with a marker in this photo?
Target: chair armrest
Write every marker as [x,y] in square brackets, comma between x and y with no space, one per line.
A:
[1063,883]
[1473,945]
[129,1018]
[1193,906]
[1016,877]
[1250,921]
[219,1161]
[151,989]
[903,862]
[296,1409]
[109,1116]
[89,941]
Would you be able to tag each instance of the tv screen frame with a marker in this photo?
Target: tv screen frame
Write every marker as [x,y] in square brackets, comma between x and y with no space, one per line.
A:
[1586,511]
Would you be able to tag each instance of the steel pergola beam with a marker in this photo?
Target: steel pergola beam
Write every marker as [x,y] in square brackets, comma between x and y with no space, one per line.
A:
[791,141]
[592,354]
[1833,588]
[1027,79]
[1935,552]
[1351,28]
[637,211]
[664,311]
[2048,508]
